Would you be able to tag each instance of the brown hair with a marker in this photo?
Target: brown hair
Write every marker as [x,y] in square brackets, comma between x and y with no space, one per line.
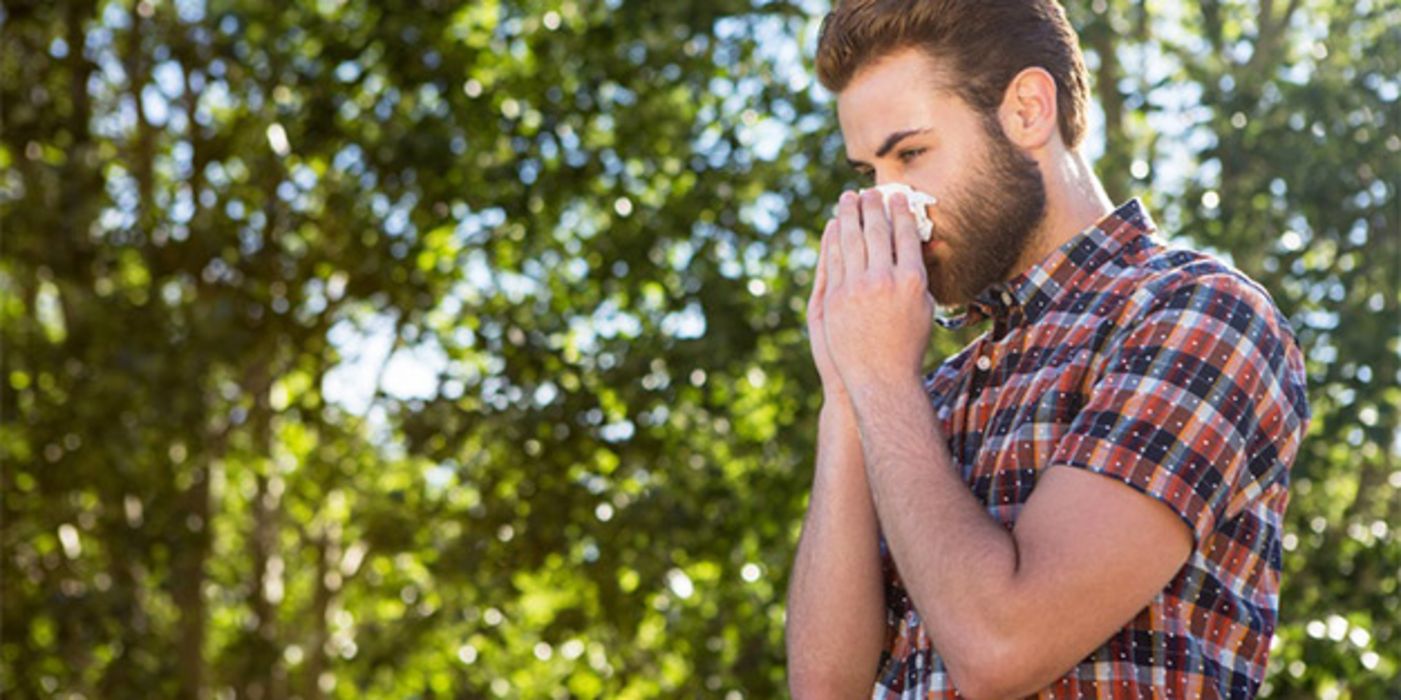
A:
[985,43]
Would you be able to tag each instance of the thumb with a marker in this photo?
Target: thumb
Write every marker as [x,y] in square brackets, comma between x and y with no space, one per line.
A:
[819,285]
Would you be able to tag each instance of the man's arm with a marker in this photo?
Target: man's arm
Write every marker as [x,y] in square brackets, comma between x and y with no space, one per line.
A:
[836,604]
[1010,612]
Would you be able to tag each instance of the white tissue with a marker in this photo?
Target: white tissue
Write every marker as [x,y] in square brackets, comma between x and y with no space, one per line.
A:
[918,201]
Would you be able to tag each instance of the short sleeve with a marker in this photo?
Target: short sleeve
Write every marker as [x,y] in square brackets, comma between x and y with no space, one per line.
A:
[1199,403]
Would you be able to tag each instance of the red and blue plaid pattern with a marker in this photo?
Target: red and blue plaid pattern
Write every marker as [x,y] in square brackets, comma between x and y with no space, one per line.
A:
[1165,369]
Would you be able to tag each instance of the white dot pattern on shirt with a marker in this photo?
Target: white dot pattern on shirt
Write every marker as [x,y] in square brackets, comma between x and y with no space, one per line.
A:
[1154,372]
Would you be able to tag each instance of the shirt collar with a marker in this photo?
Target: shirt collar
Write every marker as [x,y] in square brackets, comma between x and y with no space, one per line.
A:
[1065,268]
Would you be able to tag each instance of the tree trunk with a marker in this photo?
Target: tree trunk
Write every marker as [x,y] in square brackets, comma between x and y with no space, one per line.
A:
[264,672]
[1114,170]
[189,585]
[321,604]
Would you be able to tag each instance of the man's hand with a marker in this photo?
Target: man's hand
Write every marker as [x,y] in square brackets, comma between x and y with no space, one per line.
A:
[833,392]
[876,309]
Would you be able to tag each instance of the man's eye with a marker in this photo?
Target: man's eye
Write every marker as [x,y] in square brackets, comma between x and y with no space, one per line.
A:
[907,155]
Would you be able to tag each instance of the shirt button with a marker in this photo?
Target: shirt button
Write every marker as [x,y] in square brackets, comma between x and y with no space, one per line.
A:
[984,363]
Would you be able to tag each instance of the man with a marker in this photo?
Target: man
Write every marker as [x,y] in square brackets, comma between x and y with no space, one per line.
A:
[1087,500]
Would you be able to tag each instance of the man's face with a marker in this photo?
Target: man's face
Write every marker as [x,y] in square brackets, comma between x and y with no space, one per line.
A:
[991,195]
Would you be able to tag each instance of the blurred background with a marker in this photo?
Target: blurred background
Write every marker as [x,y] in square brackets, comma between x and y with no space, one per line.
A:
[439,349]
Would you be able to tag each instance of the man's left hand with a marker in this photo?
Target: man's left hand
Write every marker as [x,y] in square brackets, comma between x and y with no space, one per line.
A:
[877,305]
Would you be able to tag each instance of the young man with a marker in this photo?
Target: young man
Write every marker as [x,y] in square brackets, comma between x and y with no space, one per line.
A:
[1087,500]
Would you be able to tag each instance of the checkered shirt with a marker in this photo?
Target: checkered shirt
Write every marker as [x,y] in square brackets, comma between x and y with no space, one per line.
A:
[1164,369]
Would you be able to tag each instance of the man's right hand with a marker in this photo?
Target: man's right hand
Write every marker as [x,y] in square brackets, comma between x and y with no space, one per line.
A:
[834,393]
[836,597]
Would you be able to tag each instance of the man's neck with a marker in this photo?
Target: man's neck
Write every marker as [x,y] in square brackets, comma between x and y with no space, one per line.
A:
[1075,201]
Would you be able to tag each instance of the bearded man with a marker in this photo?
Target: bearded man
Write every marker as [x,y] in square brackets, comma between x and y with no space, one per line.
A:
[1087,500]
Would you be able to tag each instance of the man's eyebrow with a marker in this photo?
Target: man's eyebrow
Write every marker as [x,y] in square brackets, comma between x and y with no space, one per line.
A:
[890,142]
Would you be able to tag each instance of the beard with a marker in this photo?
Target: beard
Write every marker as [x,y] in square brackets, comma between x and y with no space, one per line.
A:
[990,223]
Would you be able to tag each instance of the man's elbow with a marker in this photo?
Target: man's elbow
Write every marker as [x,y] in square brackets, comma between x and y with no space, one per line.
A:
[970,683]
[999,675]
[826,666]
[984,684]
[989,671]
[829,679]
[811,685]
[980,688]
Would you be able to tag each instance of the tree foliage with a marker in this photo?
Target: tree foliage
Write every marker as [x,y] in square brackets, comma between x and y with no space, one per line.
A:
[417,348]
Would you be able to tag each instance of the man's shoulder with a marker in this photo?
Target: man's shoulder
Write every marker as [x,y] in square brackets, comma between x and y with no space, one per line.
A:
[1163,276]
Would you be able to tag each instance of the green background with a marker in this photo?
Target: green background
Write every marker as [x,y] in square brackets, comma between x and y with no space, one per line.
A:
[429,349]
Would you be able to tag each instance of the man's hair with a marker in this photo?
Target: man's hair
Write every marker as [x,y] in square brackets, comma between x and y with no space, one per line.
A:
[982,44]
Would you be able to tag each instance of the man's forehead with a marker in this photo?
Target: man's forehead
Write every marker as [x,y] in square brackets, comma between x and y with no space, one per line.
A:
[889,113]
[869,120]
[871,130]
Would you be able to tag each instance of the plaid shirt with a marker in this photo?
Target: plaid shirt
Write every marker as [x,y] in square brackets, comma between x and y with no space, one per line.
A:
[1161,368]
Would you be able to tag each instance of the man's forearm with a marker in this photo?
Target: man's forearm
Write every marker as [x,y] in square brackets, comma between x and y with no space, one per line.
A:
[836,600]
[956,561]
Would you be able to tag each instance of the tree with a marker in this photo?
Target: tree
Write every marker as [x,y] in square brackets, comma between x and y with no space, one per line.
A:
[426,348]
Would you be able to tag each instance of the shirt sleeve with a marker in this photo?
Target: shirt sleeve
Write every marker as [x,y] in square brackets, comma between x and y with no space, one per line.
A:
[1200,403]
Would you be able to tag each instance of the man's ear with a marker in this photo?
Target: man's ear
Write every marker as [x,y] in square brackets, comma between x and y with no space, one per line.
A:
[1028,111]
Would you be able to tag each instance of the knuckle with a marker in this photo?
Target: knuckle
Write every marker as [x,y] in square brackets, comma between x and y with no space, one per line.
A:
[876,283]
[908,279]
